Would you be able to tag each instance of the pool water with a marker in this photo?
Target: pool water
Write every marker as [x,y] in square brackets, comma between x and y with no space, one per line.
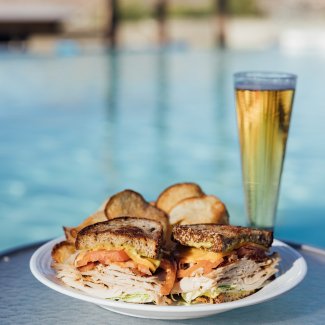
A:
[77,129]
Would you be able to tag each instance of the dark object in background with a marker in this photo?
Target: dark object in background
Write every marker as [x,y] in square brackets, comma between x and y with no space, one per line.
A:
[221,12]
[161,16]
[20,30]
[112,29]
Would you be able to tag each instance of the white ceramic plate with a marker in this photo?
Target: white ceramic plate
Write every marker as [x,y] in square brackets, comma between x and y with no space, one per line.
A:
[292,270]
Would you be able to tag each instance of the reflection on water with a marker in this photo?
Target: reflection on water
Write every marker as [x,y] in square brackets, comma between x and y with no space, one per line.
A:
[222,105]
[112,85]
[161,113]
[111,112]
[75,130]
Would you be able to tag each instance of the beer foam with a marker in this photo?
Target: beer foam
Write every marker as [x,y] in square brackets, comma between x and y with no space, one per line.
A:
[265,81]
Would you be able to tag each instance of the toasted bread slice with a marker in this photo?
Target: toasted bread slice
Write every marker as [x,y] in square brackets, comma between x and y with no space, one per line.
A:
[130,203]
[223,297]
[142,235]
[71,232]
[176,193]
[206,209]
[220,238]
[62,251]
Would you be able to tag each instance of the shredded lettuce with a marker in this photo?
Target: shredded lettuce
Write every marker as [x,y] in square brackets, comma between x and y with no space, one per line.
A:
[189,296]
[226,287]
[140,298]
[211,293]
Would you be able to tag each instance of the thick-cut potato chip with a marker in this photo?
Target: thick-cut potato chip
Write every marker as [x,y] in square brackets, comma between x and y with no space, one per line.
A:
[62,251]
[207,209]
[132,204]
[69,233]
[125,203]
[72,232]
[177,193]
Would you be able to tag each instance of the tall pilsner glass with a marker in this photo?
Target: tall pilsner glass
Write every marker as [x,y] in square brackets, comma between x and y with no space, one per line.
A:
[264,103]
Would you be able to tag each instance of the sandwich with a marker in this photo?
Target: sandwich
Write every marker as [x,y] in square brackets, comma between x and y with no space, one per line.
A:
[119,259]
[221,263]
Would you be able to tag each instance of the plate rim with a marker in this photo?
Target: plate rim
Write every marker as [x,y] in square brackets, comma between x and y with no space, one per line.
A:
[248,301]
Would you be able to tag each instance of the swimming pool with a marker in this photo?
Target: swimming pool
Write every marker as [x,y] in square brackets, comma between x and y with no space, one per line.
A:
[76,129]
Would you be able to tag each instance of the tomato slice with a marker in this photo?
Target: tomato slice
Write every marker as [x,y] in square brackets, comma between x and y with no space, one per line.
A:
[103,256]
[106,257]
[207,267]
[88,267]
[170,268]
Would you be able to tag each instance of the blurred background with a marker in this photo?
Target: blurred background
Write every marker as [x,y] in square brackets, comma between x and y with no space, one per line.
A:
[98,96]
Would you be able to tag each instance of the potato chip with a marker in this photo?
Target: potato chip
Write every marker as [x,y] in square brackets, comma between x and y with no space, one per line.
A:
[62,251]
[132,204]
[176,193]
[206,209]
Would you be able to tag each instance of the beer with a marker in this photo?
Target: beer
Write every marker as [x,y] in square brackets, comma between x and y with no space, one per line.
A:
[263,115]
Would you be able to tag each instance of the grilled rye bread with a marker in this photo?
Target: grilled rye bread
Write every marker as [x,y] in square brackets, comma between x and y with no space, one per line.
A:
[224,297]
[143,235]
[220,238]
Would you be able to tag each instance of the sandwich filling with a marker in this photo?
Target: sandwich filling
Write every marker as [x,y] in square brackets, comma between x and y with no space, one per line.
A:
[119,274]
[125,257]
[216,277]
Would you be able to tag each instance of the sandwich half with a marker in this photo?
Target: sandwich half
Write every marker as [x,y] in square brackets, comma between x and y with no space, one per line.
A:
[119,259]
[221,263]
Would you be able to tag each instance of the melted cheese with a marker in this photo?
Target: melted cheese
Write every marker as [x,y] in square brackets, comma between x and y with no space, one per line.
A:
[151,263]
[195,254]
[192,254]
[200,244]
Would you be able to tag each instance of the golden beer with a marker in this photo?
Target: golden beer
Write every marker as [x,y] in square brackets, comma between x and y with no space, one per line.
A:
[263,114]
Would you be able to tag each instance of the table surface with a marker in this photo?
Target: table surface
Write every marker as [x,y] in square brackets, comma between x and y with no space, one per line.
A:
[23,300]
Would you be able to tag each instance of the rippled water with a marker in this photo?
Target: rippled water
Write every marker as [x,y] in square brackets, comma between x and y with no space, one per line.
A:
[76,129]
